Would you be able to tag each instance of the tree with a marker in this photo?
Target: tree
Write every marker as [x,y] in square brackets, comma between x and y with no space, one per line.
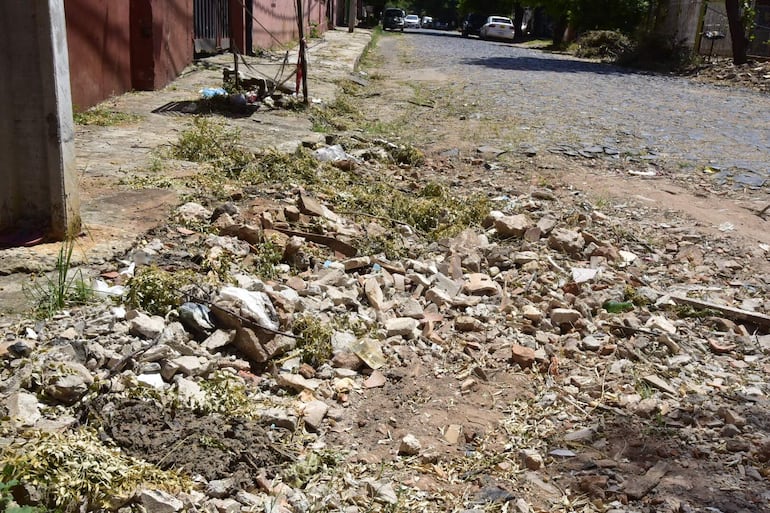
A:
[737,31]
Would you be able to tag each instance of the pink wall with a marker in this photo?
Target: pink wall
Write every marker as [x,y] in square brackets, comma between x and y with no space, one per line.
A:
[98,42]
[279,18]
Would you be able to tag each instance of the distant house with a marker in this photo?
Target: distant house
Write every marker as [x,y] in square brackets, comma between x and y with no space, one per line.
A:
[121,45]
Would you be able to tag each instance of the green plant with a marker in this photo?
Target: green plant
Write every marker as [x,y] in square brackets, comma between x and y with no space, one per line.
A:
[266,256]
[314,340]
[606,45]
[315,33]
[61,287]
[210,142]
[75,471]
[103,116]
[157,291]
[7,503]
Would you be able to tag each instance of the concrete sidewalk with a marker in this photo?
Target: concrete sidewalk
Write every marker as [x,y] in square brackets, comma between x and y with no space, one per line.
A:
[115,215]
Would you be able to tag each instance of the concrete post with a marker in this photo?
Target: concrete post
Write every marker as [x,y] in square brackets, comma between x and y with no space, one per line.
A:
[38,183]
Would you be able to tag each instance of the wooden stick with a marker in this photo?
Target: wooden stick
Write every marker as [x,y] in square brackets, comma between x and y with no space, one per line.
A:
[730,312]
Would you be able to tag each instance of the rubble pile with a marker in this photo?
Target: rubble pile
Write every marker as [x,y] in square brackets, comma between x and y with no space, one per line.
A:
[557,357]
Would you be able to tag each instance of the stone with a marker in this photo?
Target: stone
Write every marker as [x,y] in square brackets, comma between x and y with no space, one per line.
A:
[313,414]
[374,294]
[381,491]
[566,241]
[513,226]
[219,488]
[479,284]
[438,296]
[247,341]
[452,433]
[347,360]
[144,326]
[546,224]
[190,365]
[401,326]
[189,392]
[468,323]
[523,355]
[660,384]
[193,212]
[531,459]
[411,308]
[67,389]
[590,343]
[218,340]
[561,316]
[23,409]
[225,505]
[657,322]
[642,485]
[532,313]
[525,257]
[296,382]
[731,417]
[157,501]
[409,446]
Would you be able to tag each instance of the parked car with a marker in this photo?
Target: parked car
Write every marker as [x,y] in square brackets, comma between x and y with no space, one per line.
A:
[472,24]
[393,19]
[412,21]
[427,22]
[497,27]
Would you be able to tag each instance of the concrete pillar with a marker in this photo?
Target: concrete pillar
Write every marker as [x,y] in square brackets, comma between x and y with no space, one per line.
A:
[38,182]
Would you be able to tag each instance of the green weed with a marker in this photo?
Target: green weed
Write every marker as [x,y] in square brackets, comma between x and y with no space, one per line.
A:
[61,287]
[75,471]
[103,116]
[157,291]
[315,340]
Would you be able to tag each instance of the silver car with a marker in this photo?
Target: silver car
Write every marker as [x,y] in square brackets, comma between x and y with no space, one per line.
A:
[412,21]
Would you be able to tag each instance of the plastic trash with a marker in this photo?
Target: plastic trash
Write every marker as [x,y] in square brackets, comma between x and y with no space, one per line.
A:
[331,154]
[195,316]
[208,93]
[254,305]
[618,306]
[102,289]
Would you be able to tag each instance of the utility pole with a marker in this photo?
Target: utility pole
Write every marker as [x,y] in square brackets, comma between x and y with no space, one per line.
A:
[302,57]
[352,4]
[39,198]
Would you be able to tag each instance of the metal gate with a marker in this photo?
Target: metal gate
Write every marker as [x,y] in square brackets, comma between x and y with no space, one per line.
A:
[760,43]
[212,25]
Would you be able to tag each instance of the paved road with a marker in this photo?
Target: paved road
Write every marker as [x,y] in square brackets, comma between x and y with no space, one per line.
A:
[558,100]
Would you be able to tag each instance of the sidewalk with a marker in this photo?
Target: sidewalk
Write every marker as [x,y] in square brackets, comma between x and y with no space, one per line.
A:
[114,216]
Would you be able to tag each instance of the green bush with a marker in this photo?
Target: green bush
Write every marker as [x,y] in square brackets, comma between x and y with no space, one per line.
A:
[606,45]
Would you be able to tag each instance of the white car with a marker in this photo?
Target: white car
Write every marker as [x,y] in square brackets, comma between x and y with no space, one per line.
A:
[497,27]
[412,21]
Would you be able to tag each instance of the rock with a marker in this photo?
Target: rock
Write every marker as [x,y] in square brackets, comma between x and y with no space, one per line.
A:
[479,284]
[193,212]
[69,384]
[67,389]
[190,365]
[313,414]
[513,226]
[452,433]
[381,491]
[411,308]
[729,431]
[438,296]
[657,322]
[296,382]
[731,417]
[223,505]
[546,224]
[218,340]
[566,241]
[189,392]
[640,486]
[593,485]
[23,409]
[525,257]
[467,323]
[157,501]
[409,446]
[219,488]
[401,326]
[195,317]
[561,316]
[144,326]
[531,459]
[532,313]
[347,360]
[522,355]
[660,384]
[374,294]
[590,343]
